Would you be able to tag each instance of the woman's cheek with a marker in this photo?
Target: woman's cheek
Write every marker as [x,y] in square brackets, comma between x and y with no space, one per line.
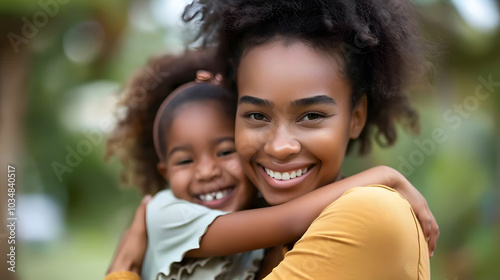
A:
[328,145]
[249,141]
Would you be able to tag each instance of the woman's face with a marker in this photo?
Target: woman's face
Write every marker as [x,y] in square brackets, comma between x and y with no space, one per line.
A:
[294,119]
[201,162]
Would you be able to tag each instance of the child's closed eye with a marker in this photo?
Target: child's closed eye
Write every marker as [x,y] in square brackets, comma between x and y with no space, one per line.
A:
[184,162]
[226,152]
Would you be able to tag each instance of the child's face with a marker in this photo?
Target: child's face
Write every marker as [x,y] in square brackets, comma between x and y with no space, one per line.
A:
[201,162]
[294,119]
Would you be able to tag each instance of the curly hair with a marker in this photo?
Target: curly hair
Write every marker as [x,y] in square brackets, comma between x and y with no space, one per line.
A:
[132,139]
[376,39]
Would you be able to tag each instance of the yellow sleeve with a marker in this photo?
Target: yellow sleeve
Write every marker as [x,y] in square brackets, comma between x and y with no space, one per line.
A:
[122,275]
[368,233]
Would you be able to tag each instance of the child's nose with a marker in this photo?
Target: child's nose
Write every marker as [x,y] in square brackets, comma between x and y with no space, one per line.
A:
[207,169]
[282,143]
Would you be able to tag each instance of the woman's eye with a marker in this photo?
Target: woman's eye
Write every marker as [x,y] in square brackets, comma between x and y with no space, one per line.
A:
[257,116]
[312,117]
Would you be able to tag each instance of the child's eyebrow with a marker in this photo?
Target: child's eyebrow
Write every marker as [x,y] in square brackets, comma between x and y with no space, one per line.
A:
[318,99]
[255,101]
[224,139]
[177,149]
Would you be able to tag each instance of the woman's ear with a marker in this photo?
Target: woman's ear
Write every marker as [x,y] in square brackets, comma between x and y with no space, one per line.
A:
[358,118]
[162,168]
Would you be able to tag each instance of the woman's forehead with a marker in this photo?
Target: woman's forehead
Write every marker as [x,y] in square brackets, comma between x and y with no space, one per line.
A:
[295,70]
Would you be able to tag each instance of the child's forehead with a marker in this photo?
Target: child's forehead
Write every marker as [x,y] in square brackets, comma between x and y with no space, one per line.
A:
[199,125]
[210,110]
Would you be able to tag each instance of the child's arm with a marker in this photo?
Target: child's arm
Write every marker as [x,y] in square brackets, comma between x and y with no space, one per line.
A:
[266,227]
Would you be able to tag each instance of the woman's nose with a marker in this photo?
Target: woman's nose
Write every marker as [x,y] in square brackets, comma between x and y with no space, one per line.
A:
[207,169]
[281,143]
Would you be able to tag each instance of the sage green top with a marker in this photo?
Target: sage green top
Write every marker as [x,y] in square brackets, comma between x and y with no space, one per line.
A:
[176,226]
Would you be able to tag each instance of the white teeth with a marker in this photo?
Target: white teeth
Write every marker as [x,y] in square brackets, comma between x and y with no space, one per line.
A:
[219,195]
[285,175]
[214,195]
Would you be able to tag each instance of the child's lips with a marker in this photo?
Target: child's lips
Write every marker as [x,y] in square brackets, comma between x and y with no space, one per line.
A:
[214,195]
[215,199]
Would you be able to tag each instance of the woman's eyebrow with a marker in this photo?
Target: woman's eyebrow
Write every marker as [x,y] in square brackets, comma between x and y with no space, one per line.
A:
[255,101]
[318,99]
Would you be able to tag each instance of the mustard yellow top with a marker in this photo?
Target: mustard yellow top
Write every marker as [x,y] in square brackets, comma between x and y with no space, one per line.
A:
[368,233]
[122,275]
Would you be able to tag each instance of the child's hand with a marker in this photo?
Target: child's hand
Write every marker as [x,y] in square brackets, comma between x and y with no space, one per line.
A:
[419,205]
[132,247]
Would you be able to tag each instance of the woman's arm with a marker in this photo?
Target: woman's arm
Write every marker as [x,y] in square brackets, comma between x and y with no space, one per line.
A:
[127,262]
[266,227]
[419,206]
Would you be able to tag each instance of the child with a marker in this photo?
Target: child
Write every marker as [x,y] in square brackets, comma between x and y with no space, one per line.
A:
[191,120]
[194,139]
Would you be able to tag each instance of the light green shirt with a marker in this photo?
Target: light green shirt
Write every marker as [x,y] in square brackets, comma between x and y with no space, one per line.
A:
[176,226]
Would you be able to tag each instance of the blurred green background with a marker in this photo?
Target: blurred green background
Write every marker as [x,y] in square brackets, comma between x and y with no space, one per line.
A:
[63,63]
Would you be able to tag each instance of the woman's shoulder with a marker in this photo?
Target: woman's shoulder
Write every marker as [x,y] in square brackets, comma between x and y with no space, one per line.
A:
[374,199]
[370,232]
[373,225]
[376,211]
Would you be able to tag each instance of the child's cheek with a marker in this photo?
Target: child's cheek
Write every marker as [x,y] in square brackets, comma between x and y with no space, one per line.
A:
[233,166]
[179,183]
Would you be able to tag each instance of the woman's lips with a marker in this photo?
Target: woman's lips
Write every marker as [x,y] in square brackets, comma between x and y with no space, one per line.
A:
[287,175]
[284,179]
